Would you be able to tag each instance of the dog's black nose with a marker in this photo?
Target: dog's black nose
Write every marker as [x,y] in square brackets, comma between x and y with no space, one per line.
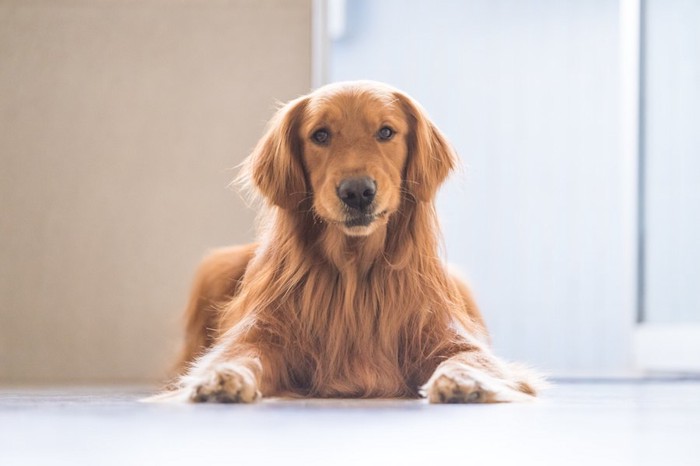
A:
[357,193]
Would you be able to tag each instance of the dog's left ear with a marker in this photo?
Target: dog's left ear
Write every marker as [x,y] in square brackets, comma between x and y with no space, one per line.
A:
[275,166]
[430,157]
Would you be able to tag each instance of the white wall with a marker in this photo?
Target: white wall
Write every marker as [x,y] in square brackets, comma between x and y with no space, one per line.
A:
[543,224]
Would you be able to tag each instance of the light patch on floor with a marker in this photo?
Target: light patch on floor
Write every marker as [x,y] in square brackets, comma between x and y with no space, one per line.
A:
[607,423]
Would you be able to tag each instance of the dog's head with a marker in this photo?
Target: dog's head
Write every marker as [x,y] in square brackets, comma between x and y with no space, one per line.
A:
[356,150]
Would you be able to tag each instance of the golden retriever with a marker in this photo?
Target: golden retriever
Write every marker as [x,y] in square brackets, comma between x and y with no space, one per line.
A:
[345,294]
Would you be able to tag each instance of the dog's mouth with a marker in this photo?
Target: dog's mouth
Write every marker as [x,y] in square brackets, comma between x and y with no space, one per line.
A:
[363,219]
[360,221]
[355,223]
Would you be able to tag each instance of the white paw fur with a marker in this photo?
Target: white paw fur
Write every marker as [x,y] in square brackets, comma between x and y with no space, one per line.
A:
[467,385]
[224,383]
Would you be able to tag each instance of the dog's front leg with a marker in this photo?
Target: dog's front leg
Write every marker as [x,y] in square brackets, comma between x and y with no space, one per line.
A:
[476,376]
[230,380]
[232,371]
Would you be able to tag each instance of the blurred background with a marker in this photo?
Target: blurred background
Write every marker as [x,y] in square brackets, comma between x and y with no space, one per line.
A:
[576,214]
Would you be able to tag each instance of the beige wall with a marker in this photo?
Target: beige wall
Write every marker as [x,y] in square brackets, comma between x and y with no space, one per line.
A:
[120,122]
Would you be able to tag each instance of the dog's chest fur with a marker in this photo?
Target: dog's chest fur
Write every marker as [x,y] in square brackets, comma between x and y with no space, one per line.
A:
[358,332]
[348,321]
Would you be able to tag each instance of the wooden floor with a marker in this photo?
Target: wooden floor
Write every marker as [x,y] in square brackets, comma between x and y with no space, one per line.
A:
[603,423]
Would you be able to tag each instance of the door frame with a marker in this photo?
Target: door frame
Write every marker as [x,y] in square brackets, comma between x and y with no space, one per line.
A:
[656,347]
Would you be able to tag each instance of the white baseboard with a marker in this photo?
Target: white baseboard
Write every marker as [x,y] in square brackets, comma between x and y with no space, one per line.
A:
[667,347]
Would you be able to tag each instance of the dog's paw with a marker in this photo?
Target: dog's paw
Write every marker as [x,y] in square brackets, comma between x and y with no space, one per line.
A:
[460,386]
[223,384]
[455,388]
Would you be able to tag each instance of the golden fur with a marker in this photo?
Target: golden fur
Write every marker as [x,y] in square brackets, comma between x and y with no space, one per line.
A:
[323,308]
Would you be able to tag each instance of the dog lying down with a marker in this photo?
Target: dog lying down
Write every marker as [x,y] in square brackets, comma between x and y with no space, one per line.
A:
[344,295]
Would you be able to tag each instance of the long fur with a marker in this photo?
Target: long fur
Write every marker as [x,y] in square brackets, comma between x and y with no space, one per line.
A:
[316,312]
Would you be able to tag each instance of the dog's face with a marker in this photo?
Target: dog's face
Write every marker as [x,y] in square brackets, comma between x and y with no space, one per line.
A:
[354,150]
[357,149]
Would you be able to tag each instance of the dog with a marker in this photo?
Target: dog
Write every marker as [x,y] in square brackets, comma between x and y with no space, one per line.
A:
[345,294]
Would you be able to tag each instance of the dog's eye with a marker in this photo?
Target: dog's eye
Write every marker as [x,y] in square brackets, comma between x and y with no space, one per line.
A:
[321,136]
[385,133]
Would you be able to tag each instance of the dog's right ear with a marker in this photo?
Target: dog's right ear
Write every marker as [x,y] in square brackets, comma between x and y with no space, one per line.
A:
[275,166]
